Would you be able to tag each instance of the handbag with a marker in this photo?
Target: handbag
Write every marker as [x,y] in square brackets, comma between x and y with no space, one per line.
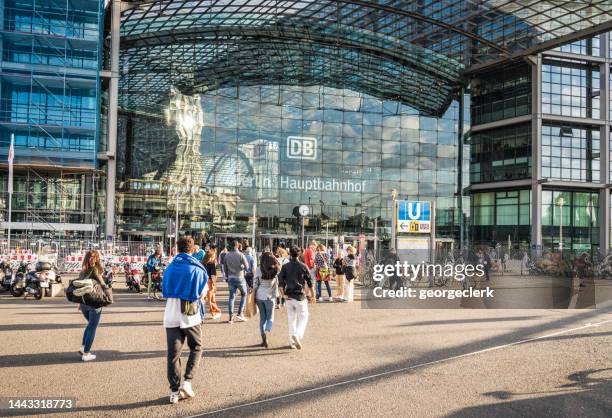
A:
[99,297]
[72,287]
[323,273]
[70,294]
[248,277]
[251,306]
[190,308]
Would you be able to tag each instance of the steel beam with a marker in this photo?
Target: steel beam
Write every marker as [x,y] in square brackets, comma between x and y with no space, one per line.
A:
[536,156]
[113,95]
[604,194]
[500,123]
[553,43]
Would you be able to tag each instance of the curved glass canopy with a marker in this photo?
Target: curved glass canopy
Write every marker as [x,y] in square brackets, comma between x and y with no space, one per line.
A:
[410,51]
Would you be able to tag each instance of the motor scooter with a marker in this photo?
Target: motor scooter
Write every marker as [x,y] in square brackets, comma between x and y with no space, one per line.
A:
[18,284]
[133,277]
[38,282]
[6,275]
[108,275]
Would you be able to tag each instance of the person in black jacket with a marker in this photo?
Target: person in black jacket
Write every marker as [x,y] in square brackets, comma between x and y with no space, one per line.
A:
[294,283]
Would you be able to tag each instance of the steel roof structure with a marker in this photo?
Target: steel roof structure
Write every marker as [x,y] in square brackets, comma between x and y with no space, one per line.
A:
[411,51]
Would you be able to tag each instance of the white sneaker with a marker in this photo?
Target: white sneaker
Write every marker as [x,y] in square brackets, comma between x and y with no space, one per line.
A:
[320,299]
[186,390]
[174,397]
[296,341]
[240,318]
[331,299]
[216,316]
[82,350]
[88,357]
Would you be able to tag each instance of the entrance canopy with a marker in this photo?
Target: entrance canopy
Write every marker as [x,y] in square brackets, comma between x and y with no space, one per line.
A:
[411,51]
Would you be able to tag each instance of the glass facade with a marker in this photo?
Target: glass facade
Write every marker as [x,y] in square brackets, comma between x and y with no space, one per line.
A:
[568,135]
[49,103]
[572,215]
[501,154]
[501,94]
[568,89]
[497,216]
[570,153]
[276,147]
[589,46]
[56,199]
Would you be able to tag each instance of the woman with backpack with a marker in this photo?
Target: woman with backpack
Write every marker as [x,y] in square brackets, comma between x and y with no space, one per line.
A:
[350,272]
[92,301]
[323,272]
[265,286]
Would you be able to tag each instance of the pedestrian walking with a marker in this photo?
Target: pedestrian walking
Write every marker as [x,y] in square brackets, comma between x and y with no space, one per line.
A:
[210,264]
[350,273]
[525,263]
[582,267]
[309,258]
[154,265]
[339,270]
[221,258]
[249,273]
[235,265]
[91,272]
[283,258]
[265,286]
[198,253]
[322,271]
[296,287]
[486,261]
[184,287]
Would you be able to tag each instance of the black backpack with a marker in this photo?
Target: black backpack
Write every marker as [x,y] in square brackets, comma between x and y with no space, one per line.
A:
[101,296]
[70,294]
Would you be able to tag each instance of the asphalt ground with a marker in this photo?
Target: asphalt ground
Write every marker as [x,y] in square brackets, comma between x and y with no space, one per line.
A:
[355,362]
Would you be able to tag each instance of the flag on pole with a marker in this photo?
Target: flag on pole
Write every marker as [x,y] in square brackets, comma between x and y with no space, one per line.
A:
[11,157]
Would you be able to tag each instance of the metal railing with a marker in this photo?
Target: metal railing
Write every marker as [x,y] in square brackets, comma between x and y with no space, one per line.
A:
[66,248]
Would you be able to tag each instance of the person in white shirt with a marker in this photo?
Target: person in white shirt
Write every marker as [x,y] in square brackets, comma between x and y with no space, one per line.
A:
[184,286]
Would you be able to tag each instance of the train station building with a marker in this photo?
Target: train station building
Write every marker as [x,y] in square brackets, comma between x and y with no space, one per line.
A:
[227,115]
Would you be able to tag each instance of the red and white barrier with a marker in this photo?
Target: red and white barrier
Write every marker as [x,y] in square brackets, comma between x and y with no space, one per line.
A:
[129,259]
[73,263]
[24,257]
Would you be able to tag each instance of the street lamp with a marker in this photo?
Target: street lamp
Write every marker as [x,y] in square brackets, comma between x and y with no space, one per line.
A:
[560,202]
[393,219]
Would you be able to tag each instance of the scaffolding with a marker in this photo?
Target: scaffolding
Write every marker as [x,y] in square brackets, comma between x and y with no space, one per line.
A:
[49,101]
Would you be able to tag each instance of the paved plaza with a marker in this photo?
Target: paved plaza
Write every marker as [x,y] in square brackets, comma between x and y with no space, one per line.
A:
[355,362]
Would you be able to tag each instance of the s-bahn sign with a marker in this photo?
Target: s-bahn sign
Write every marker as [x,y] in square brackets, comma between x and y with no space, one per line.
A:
[414,217]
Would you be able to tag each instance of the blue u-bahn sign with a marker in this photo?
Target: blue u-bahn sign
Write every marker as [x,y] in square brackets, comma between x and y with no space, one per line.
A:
[414,217]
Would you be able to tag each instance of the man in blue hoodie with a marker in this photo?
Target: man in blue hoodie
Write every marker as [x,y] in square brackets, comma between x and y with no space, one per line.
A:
[184,286]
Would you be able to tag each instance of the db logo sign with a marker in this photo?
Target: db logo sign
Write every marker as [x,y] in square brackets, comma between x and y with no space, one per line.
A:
[302,147]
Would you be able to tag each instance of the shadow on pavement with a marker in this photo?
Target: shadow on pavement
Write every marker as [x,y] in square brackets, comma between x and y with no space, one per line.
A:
[587,396]
[106,311]
[46,359]
[45,326]
[320,390]
[468,321]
